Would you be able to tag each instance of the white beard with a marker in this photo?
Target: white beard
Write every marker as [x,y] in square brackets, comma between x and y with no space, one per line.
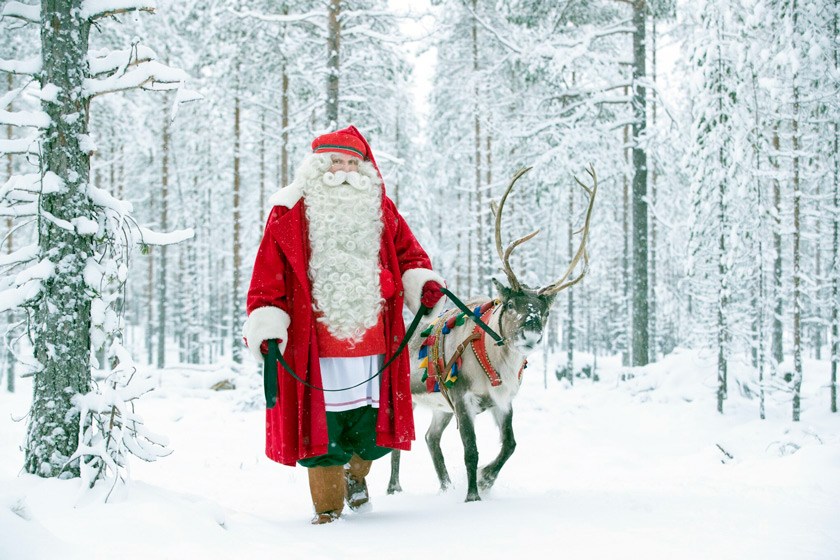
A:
[345,226]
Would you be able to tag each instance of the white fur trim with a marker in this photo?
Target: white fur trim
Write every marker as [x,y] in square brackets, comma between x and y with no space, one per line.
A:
[413,281]
[287,196]
[265,323]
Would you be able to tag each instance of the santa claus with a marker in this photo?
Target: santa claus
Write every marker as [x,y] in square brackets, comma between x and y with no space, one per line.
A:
[336,264]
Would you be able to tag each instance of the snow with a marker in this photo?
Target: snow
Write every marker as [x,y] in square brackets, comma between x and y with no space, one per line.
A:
[149,237]
[35,119]
[30,66]
[108,61]
[31,13]
[614,469]
[92,9]
[149,74]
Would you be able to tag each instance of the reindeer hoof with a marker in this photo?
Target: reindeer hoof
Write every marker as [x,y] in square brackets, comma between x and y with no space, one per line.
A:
[473,498]
[394,488]
[486,480]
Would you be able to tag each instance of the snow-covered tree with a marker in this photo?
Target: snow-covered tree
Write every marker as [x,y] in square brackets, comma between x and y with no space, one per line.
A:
[65,280]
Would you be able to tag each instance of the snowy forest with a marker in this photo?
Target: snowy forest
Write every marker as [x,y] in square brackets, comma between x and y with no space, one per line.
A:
[143,139]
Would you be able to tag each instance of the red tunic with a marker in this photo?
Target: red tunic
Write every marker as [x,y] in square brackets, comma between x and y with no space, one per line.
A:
[296,427]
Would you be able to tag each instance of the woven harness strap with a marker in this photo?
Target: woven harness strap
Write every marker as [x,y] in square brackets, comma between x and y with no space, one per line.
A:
[480,350]
[436,369]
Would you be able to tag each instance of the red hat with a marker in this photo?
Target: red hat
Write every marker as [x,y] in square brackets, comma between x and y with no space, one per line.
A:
[341,142]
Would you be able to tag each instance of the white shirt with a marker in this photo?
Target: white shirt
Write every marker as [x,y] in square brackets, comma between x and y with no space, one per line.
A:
[337,373]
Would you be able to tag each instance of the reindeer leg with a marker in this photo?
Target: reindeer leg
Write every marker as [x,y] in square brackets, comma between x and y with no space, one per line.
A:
[467,428]
[504,420]
[440,420]
[394,483]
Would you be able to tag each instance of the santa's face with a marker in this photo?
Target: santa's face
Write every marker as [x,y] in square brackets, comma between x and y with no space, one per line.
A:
[343,211]
[342,162]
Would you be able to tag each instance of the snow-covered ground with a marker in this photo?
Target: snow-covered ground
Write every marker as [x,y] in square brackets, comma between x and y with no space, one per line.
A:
[614,469]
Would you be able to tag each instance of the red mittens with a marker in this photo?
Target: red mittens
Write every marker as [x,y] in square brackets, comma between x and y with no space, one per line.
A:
[264,347]
[431,294]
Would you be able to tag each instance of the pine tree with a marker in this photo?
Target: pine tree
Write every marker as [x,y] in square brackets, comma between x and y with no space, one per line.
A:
[80,250]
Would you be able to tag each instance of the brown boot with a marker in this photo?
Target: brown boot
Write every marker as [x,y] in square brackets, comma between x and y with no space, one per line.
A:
[355,472]
[327,487]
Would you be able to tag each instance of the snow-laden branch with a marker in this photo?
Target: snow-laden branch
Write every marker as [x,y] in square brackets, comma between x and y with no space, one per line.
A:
[14,298]
[112,61]
[32,182]
[147,75]
[27,285]
[28,67]
[315,18]
[371,34]
[26,12]
[96,9]
[59,222]
[367,15]
[27,145]
[7,98]
[33,119]
[104,199]
[149,237]
[24,254]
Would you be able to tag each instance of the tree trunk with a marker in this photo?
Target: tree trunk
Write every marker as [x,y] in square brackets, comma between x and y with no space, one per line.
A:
[164,225]
[284,122]
[333,59]
[479,199]
[488,226]
[262,170]
[797,295]
[776,345]
[236,306]
[640,207]
[62,318]
[9,361]
[724,160]
[625,255]
[570,296]
[652,221]
[835,246]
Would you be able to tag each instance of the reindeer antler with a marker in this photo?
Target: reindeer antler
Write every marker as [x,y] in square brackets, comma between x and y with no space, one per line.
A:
[581,253]
[505,255]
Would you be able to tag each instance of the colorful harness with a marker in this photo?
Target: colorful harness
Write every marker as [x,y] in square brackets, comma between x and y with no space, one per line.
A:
[431,353]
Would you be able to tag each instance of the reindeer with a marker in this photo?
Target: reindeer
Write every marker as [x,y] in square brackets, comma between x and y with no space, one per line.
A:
[519,315]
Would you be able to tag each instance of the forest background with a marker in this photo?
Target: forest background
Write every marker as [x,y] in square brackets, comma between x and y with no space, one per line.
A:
[716,224]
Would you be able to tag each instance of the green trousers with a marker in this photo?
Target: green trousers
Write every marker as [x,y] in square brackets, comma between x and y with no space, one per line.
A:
[349,432]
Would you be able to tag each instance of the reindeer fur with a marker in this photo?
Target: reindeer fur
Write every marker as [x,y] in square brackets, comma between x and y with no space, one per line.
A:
[473,393]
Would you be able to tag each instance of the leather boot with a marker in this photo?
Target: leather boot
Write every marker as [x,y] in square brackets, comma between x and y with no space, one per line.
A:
[355,472]
[327,487]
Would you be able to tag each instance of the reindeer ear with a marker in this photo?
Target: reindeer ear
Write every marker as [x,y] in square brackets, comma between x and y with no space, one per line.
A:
[504,291]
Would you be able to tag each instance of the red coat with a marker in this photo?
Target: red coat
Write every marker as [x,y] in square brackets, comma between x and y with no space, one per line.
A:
[296,427]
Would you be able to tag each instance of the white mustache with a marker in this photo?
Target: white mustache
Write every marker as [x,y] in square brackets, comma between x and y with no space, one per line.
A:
[352,178]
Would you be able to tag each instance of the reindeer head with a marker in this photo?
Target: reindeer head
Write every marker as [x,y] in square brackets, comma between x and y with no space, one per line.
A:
[523,315]
[525,309]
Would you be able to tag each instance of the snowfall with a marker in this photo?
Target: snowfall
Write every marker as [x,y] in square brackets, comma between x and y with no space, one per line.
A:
[636,465]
